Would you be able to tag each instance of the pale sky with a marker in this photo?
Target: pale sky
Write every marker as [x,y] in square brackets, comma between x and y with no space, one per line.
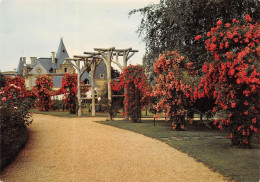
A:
[33,28]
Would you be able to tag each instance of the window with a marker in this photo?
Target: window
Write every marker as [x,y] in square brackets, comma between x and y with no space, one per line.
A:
[51,70]
[86,81]
[101,76]
[65,70]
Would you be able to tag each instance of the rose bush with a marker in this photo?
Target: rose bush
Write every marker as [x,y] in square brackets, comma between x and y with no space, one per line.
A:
[69,89]
[173,87]
[43,91]
[233,78]
[14,109]
[134,81]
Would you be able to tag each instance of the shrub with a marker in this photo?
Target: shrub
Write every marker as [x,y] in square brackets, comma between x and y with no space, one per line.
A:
[14,109]
[134,81]
[233,77]
[172,88]
[43,91]
[117,102]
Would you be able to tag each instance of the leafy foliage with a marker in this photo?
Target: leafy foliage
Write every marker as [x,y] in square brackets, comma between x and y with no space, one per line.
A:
[172,24]
[233,78]
[69,88]
[171,89]
[2,80]
[14,109]
[134,80]
[117,102]
[43,91]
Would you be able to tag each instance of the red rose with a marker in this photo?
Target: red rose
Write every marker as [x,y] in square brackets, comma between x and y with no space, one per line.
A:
[197,37]
[219,22]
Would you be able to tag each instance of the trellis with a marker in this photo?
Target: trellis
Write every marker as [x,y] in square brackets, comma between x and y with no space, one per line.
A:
[91,61]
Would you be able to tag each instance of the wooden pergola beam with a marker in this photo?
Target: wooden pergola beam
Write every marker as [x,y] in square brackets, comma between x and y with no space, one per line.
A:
[81,56]
[104,49]
[92,53]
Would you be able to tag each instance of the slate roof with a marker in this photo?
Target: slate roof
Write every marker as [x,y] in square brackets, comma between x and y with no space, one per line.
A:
[57,81]
[101,69]
[20,68]
[47,63]
[61,53]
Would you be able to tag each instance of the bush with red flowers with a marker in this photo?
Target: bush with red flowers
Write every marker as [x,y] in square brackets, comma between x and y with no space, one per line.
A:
[69,89]
[233,78]
[16,87]
[15,115]
[43,91]
[172,87]
[134,80]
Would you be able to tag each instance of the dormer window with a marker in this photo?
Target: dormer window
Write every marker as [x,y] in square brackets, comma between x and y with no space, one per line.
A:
[51,70]
[65,70]
[101,76]
[86,81]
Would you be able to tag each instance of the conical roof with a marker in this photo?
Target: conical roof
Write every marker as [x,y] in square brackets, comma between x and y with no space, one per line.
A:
[20,68]
[62,53]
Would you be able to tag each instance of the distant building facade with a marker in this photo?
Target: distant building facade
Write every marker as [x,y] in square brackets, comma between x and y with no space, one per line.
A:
[55,67]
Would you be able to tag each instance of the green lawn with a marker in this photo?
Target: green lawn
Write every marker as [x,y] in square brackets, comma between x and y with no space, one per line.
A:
[204,145]
[67,114]
[84,114]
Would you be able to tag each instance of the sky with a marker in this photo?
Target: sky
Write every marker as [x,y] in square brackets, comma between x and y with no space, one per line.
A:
[33,28]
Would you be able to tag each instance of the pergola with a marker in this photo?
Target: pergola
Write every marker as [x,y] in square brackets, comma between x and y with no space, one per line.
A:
[92,60]
[76,65]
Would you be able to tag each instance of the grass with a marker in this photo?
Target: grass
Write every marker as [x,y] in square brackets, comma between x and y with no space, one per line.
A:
[66,113]
[84,114]
[9,151]
[200,142]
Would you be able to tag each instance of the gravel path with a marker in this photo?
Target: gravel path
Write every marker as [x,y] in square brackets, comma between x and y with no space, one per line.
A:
[77,149]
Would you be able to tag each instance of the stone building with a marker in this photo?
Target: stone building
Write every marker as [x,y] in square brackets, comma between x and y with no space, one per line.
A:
[56,66]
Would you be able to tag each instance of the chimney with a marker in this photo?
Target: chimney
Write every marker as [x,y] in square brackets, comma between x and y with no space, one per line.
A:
[33,60]
[53,57]
[24,60]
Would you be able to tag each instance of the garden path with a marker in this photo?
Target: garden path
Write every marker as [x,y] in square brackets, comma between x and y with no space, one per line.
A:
[78,149]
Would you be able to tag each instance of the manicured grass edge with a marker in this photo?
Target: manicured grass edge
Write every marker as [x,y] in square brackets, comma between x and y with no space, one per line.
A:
[12,150]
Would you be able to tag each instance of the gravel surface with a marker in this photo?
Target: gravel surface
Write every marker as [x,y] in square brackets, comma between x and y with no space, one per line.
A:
[77,149]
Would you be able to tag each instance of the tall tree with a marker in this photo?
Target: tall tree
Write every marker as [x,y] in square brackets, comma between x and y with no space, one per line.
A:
[173,24]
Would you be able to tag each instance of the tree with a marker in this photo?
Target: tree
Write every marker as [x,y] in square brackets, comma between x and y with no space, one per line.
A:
[43,91]
[172,24]
[114,73]
[2,80]
[234,76]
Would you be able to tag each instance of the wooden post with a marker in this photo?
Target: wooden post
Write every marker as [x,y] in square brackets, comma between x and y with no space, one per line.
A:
[92,89]
[107,58]
[79,96]
[93,65]
[80,72]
